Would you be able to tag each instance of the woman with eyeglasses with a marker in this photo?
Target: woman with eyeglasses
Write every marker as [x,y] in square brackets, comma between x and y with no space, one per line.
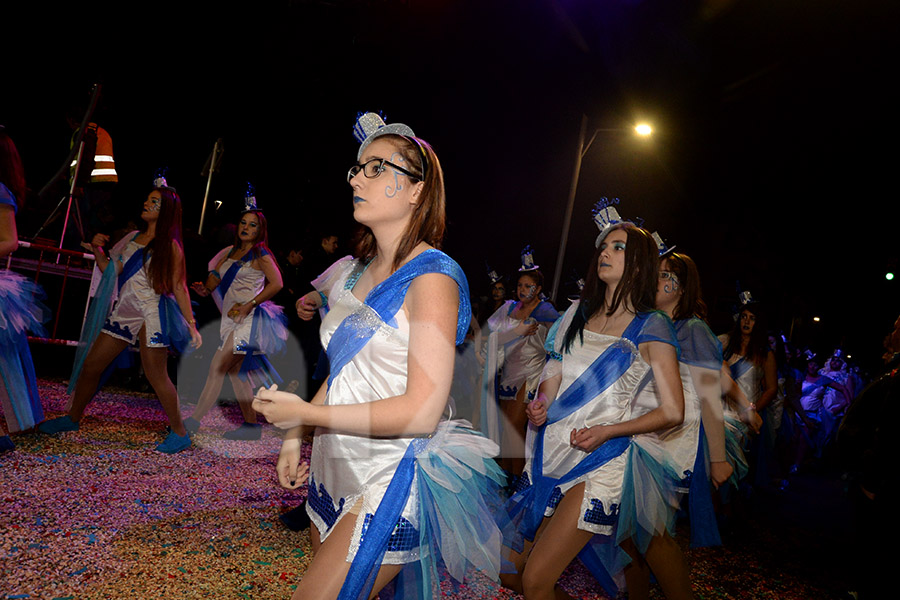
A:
[395,487]
[592,481]
[515,357]
[146,271]
[242,280]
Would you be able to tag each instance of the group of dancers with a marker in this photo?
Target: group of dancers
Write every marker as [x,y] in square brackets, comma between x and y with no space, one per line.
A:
[607,415]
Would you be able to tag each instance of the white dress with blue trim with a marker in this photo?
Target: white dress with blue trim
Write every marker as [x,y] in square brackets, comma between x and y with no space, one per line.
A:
[602,498]
[264,330]
[138,303]
[346,468]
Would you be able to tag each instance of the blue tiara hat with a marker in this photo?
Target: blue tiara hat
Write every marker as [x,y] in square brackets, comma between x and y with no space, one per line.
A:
[250,198]
[371,125]
[528,260]
[664,250]
[159,180]
[606,217]
[493,275]
[745,297]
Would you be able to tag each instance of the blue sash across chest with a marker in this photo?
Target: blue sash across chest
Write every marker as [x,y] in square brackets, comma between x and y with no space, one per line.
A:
[602,373]
[385,300]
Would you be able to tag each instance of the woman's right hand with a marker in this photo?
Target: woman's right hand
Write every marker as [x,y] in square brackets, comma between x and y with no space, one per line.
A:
[719,472]
[536,411]
[751,419]
[201,289]
[525,329]
[291,474]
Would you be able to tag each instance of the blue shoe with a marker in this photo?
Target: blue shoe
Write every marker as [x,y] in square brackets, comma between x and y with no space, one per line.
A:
[59,424]
[174,443]
[247,431]
[6,444]
[192,425]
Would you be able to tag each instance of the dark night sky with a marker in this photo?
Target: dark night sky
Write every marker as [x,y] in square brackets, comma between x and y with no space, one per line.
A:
[775,126]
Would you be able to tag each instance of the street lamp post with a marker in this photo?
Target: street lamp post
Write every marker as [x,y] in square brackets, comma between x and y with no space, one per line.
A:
[641,129]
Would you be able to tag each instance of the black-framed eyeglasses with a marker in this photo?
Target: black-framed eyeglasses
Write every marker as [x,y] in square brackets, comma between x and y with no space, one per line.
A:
[375,167]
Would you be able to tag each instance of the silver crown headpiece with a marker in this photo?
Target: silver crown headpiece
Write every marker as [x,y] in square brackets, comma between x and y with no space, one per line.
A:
[371,125]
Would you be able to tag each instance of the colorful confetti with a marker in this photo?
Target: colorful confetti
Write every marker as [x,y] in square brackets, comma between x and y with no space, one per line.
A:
[98,514]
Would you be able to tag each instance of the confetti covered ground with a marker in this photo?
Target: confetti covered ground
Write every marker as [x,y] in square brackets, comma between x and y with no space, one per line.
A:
[98,514]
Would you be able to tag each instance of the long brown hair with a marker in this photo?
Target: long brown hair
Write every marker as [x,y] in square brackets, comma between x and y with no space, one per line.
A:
[12,175]
[428,220]
[691,303]
[758,344]
[168,230]
[638,283]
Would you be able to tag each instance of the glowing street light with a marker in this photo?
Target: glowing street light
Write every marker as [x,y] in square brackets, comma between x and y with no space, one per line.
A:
[889,276]
[816,319]
[641,129]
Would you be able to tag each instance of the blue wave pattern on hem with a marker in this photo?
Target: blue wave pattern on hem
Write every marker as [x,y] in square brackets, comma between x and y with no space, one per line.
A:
[598,516]
[321,502]
[114,327]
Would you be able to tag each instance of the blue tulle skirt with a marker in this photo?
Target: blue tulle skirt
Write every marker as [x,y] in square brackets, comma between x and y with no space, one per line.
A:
[21,310]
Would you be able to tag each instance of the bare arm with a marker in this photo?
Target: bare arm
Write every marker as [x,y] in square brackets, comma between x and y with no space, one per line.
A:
[9,237]
[771,382]
[432,302]
[708,384]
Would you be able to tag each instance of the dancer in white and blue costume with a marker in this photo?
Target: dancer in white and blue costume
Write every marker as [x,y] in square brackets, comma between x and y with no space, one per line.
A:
[597,487]
[395,487]
[20,311]
[146,271]
[242,280]
[514,359]
[752,365]
[697,446]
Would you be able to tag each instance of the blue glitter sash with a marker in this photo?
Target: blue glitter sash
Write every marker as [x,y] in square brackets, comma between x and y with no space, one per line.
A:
[350,337]
[385,299]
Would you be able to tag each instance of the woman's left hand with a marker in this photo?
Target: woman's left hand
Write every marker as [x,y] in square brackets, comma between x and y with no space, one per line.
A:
[589,438]
[239,311]
[196,339]
[282,409]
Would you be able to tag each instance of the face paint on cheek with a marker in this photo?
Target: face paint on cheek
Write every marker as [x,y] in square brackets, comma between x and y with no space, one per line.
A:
[155,205]
[390,192]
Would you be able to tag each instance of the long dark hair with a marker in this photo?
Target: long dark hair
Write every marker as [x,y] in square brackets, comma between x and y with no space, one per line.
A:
[758,345]
[12,175]
[168,230]
[262,237]
[638,283]
[691,303]
[428,220]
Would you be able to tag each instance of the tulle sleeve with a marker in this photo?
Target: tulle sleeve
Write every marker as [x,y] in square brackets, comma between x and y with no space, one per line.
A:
[325,282]
[657,327]
[557,332]
[218,258]
[699,345]
[115,253]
